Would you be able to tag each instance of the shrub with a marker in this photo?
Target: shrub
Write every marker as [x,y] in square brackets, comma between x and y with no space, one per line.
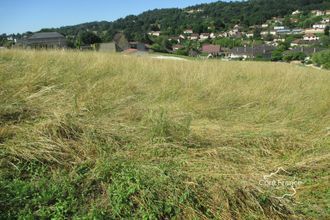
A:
[294,55]
[322,59]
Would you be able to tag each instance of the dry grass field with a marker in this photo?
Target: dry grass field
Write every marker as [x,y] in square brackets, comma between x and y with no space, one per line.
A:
[108,136]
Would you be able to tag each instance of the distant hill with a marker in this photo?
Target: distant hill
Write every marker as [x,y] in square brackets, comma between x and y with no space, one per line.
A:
[215,16]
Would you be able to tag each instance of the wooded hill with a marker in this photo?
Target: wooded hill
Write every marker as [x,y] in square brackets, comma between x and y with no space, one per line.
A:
[217,16]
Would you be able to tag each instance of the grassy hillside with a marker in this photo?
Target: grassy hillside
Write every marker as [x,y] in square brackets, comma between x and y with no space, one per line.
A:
[114,136]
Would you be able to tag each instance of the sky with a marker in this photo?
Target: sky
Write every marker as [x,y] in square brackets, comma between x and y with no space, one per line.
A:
[18,16]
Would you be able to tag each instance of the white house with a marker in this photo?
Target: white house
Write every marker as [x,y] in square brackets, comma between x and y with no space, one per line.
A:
[318,12]
[154,33]
[320,26]
[188,31]
[325,21]
[314,31]
[264,33]
[279,27]
[204,36]
[297,12]
[249,34]
[193,37]
[212,36]
[264,25]
[311,37]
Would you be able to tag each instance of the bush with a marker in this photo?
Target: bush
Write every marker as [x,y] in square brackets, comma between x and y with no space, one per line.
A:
[294,55]
[322,59]
[277,55]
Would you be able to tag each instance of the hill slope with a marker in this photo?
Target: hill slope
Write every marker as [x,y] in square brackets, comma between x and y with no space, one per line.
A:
[92,135]
[218,15]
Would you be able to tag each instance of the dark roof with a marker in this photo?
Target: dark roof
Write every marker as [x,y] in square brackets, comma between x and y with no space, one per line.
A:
[45,35]
[253,51]
[307,50]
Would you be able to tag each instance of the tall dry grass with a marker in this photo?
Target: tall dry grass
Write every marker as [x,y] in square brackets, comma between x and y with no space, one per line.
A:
[205,131]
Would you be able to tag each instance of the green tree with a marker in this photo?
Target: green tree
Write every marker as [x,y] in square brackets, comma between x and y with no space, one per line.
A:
[88,38]
[322,59]
[294,55]
[277,55]
[327,31]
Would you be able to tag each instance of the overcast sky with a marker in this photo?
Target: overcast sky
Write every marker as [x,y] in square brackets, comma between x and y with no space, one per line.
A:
[18,16]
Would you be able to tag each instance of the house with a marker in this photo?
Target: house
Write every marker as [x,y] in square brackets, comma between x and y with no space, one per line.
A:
[296,12]
[204,36]
[271,43]
[47,40]
[297,31]
[211,50]
[193,37]
[107,47]
[212,35]
[264,51]
[249,34]
[327,12]
[176,47]
[176,39]
[300,42]
[325,21]
[188,31]
[294,20]
[283,31]
[181,36]
[311,37]
[279,28]
[279,39]
[308,51]
[237,28]
[264,33]
[264,25]
[314,31]
[319,26]
[318,12]
[154,33]
[138,46]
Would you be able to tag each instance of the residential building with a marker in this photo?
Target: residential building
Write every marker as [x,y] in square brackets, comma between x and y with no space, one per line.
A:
[279,28]
[46,40]
[311,37]
[250,34]
[308,51]
[325,21]
[212,35]
[188,31]
[283,31]
[204,36]
[264,25]
[320,26]
[154,33]
[193,37]
[138,46]
[297,12]
[318,12]
[177,47]
[174,38]
[107,47]
[210,49]
[314,31]
[297,31]
[264,51]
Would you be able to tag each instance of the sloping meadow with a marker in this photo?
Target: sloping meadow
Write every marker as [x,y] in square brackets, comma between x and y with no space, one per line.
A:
[112,136]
